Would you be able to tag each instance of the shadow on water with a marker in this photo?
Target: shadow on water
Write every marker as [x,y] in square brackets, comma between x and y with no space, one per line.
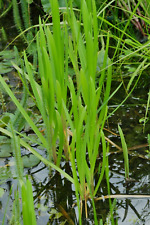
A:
[54,196]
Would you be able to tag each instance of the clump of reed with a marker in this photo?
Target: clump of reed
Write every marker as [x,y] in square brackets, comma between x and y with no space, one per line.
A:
[73,109]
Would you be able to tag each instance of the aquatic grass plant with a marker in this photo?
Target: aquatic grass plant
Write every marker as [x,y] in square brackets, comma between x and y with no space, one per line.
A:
[23,205]
[128,51]
[25,16]
[111,205]
[43,92]
[81,119]
[27,203]
[7,203]
[24,187]
[16,211]
[23,21]
[86,124]
[73,109]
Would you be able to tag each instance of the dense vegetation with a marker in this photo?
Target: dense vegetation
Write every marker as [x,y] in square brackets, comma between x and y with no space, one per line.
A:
[65,71]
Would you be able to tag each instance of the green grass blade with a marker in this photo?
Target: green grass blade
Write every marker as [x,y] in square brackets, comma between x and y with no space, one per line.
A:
[27,203]
[125,153]
[17,154]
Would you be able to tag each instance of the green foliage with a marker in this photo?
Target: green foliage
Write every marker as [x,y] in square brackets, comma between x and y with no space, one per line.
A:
[4,36]
[27,203]
[74,107]
[17,18]
[17,153]
[44,160]
[5,174]
[85,116]
[16,210]
[5,148]
[146,112]
[125,153]
[27,209]
[7,202]
[30,160]
[146,7]
[18,120]
[25,11]
[26,188]
[5,7]
[62,3]
[148,151]
[6,59]
[25,14]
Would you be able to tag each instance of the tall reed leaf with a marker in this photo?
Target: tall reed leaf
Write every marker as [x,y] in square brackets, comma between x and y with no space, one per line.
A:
[83,118]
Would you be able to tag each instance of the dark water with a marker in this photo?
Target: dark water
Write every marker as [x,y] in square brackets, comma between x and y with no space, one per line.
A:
[54,195]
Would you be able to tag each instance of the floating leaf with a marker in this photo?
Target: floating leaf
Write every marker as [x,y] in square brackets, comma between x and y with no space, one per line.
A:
[42,207]
[5,150]
[5,173]
[5,147]
[54,213]
[30,160]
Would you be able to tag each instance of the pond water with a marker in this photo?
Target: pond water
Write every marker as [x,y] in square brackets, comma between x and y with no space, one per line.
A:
[54,196]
